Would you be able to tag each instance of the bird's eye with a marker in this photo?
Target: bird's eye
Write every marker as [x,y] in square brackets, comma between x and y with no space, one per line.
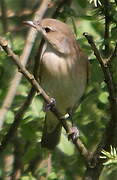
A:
[47,29]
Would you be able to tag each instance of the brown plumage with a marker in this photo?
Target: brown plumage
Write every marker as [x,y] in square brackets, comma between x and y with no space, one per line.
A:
[63,73]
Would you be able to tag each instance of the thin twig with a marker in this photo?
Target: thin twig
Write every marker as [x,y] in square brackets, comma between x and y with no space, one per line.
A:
[94,48]
[110,85]
[19,115]
[109,137]
[79,145]
[104,65]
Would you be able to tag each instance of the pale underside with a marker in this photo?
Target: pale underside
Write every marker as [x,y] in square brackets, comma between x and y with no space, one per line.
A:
[63,78]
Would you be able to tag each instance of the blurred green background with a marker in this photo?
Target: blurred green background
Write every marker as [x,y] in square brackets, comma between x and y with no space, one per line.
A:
[91,116]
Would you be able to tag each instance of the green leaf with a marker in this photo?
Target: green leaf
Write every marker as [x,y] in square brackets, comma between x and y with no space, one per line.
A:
[103,97]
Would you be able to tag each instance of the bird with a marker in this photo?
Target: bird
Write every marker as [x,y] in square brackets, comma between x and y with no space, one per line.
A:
[63,73]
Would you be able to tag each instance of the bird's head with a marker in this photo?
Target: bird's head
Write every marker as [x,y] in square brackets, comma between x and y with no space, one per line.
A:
[57,33]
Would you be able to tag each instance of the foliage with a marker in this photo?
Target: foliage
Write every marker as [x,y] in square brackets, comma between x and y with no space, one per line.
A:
[93,113]
[110,160]
[110,156]
[96,2]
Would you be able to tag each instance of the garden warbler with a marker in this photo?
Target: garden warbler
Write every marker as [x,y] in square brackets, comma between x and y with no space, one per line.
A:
[63,73]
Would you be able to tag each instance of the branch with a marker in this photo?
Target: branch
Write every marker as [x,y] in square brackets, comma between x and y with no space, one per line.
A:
[105,68]
[110,134]
[24,58]
[79,145]
[19,115]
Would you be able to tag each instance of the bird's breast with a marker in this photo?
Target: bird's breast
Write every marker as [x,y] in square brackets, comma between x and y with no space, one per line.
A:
[55,64]
[61,79]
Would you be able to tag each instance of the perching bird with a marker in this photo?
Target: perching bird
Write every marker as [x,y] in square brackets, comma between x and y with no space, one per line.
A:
[63,73]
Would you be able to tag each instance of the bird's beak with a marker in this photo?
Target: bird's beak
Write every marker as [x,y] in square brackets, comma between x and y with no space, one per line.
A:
[31,23]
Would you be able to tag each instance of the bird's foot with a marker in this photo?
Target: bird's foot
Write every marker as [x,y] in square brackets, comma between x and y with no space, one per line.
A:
[74,134]
[50,105]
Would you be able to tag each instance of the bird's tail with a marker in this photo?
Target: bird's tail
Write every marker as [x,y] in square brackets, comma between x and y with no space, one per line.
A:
[51,132]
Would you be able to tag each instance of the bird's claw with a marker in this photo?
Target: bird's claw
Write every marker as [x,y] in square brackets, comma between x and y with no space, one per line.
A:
[74,134]
[50,105]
